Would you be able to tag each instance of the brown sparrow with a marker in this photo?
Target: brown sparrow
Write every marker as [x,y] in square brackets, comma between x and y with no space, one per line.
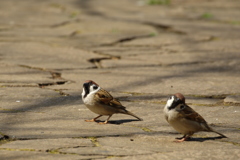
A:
[184,119]
[101,102]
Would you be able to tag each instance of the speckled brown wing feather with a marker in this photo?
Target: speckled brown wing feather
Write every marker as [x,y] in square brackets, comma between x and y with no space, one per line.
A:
[106,98]
[190,114]
[103,96]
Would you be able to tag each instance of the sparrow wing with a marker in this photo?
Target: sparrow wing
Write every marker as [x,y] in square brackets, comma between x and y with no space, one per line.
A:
[188,113]
[106,98]
[103,96]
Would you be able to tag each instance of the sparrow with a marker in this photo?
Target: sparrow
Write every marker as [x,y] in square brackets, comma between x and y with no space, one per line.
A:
[184,119]
[101,102]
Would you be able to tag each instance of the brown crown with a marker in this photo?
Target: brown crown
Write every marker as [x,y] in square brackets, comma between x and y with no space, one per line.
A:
[91,82]
[180,96]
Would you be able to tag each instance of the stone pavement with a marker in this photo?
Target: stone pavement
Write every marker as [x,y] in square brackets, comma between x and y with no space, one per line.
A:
[141,53]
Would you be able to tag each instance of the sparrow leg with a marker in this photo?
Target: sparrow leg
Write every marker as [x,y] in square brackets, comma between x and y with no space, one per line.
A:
[106,120]
[181,137]
[185,138]
[94,119]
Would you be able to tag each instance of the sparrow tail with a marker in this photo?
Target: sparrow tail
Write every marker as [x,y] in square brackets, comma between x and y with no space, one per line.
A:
[130,113]
[212,130]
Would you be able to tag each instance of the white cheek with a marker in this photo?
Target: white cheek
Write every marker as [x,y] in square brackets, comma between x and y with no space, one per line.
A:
[92,91]
[169,102]
[83,93]
[89,99]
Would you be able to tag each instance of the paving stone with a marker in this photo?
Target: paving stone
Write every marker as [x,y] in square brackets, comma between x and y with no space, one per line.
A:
[140,53]
[41,125]
[44,58]
[215,154]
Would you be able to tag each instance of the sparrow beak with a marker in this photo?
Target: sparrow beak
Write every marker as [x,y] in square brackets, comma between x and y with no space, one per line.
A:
[86,87]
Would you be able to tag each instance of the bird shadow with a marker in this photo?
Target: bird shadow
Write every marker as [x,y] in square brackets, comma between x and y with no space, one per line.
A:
[201,139]
[118,122]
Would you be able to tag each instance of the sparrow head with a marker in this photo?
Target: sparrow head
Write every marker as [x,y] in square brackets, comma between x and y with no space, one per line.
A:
[175,100]
[89,87]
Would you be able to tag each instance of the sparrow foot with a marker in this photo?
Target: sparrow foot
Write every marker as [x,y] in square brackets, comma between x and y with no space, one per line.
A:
[91,120]
[103,122]
[182,140]
[181,137]
[106,120]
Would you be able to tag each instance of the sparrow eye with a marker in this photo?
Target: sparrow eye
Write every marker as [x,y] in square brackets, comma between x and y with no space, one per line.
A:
[95,87]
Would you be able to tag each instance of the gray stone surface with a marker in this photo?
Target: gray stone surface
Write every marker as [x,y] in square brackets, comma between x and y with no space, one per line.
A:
[140,53]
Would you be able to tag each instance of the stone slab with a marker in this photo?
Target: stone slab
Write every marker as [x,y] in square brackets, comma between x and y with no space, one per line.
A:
[140,53]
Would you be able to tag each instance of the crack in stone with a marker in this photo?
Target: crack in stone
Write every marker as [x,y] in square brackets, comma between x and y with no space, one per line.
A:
[97,61]
[13,149]
[94,141]
[221,96]
[56,151]
[4,110]
[19,85]
[6,138]
[55,75]
[60,91]
[64,23]
[231,104]
[42,85]
[184,63]
[104,54]
[126,39]
[165,28]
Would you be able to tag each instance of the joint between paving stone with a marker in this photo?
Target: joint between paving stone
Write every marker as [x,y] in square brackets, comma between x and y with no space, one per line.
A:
[5,139]
[164,28]
[127,39]
[94,141]
[97,61]
[12,149]
[56,151]
[17,85]
[145,129]
[55,75]
[60,91]
[65,23]
[41,85]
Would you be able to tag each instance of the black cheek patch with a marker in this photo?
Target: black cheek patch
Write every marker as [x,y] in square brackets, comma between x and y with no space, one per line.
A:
[174,104]
[86,88]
